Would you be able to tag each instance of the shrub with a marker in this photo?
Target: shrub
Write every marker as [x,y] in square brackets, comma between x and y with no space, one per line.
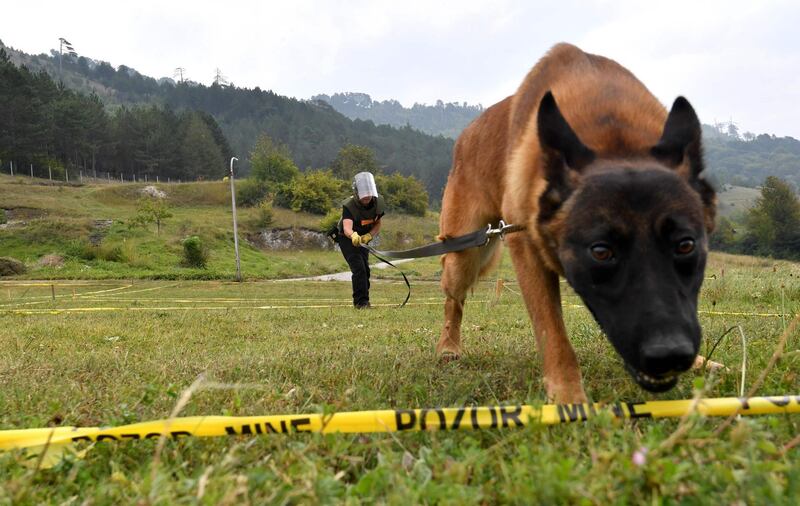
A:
[3,218]
[11,266]
[195,253]
[250,192]
[265,213]
[403,194]
[79,249]
[330,219]
[313,192]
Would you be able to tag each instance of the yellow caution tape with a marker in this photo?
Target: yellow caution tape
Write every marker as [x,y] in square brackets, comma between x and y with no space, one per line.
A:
[475,417]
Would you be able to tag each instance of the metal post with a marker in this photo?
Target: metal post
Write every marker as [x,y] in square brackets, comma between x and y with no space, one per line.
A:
[81,173]
[235,233]
[31,171]
[66,174]
[156,179]
[50,173]
[120,178]
[12,167]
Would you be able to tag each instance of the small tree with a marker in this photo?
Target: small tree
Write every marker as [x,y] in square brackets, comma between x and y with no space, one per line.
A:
[353,159]
[271,162]
[151,210]
[774,221]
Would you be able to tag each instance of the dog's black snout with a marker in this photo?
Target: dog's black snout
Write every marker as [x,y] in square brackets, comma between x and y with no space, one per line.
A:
[670,355]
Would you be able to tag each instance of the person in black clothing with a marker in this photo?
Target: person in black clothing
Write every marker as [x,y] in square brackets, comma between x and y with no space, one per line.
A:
[360,223]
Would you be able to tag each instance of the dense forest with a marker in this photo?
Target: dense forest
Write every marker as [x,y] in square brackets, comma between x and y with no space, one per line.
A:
[313,131]
[447,119]
[47,128]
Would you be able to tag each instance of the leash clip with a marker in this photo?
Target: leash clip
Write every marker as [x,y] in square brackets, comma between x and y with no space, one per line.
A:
[501,229]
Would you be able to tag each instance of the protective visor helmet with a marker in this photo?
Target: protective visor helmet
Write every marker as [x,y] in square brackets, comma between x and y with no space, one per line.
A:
[364,185]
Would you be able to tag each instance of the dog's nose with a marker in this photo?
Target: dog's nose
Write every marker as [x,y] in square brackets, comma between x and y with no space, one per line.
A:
[668,355]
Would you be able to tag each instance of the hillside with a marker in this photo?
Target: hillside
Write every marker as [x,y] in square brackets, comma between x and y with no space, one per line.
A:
[83,232]
[313,131]
[732,158]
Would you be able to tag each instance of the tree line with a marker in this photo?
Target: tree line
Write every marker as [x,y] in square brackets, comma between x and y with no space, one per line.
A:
[44,124]
[447,119]
[312,130]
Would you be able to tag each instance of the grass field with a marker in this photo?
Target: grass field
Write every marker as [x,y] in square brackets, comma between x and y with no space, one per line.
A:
[115,352]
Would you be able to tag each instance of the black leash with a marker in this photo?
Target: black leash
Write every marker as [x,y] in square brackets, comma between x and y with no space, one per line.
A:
[408,285]
[449,245]
[472,240]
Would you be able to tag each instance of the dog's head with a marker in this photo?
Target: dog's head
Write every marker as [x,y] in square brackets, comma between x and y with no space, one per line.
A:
[632,237]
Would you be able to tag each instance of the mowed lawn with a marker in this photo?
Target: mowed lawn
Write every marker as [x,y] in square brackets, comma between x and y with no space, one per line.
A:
[116,352]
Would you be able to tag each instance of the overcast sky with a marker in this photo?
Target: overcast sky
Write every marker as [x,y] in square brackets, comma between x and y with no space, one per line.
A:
[732,59]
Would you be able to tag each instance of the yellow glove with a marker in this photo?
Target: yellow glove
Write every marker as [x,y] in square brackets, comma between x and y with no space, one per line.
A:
[356,239]
[366,238]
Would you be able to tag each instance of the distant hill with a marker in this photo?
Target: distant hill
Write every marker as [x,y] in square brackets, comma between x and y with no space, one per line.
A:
[447,119]
[313,130]
[316,129]
[732,158]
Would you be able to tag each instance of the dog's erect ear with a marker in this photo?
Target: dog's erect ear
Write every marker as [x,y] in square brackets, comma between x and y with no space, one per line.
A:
[557,137]
[680,141]
[680,147]
[564,155]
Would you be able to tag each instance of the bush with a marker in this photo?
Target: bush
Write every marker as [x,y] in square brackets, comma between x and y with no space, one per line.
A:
[250,192]
[80,250]
[3,218]
[403,194]
[313,192]
[195,253]
[11,266]
[265,213]
[330,219]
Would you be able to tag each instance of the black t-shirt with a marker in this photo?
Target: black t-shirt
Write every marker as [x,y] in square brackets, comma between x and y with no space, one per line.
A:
[361,227]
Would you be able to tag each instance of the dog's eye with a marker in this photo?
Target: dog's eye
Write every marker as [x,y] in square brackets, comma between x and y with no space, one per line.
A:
[601,252]
[685,247]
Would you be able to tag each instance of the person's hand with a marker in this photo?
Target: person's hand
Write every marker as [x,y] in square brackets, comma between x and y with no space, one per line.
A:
[356,239]
[365,239]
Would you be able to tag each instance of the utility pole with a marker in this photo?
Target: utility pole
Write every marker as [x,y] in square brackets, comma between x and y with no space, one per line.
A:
[179,73]
[235,233]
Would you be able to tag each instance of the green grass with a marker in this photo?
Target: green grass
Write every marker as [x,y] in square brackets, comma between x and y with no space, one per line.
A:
[268,354]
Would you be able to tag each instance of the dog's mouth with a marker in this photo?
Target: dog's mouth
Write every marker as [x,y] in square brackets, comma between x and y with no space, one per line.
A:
[650,383]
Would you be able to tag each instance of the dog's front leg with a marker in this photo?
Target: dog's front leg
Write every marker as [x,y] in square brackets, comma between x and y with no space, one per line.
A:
[540,289]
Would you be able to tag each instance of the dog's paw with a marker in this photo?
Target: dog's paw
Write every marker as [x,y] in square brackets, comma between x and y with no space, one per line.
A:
[565,393]
[448,356]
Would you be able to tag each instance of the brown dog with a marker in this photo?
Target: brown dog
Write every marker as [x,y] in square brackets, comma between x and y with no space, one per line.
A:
[609,188]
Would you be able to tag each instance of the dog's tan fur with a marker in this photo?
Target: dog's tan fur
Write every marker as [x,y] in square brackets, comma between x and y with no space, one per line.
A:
[497,173]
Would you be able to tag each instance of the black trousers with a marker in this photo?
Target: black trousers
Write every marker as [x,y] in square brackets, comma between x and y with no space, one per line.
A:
[357,259]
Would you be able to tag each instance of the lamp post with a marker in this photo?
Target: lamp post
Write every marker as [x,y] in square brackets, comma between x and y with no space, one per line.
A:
[235,233]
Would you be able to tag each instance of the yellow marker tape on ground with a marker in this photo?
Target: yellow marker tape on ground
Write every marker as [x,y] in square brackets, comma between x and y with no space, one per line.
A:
[478,417]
